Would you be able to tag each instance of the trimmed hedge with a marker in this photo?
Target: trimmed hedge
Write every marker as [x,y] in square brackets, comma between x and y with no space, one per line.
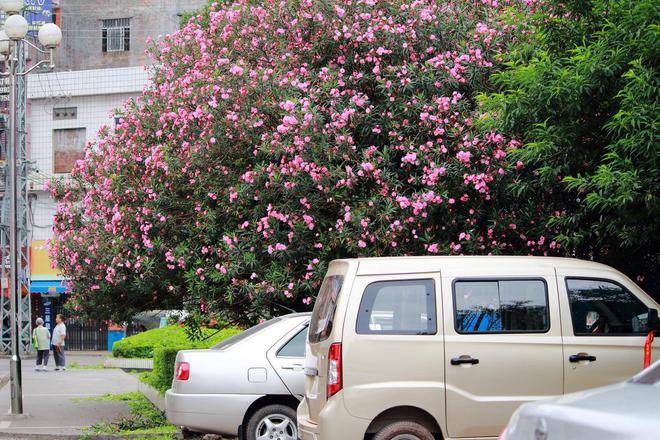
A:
[163,372]
[143,345]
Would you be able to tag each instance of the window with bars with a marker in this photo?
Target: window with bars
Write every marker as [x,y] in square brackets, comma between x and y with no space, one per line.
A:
[116,35]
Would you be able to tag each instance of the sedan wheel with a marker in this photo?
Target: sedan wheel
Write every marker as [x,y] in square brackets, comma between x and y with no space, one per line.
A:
[273,422]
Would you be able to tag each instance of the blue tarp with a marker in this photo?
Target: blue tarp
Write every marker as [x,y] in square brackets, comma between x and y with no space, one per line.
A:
[49,286]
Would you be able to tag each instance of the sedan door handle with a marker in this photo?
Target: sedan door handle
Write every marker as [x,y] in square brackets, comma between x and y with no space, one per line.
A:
[294,367]
[581,357]
[464,360]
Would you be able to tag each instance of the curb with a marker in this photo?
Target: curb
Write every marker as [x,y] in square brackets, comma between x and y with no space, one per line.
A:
[152,394]
[129,364]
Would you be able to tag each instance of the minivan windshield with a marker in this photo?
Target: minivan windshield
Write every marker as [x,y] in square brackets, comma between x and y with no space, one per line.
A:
[244,335]
[320,325]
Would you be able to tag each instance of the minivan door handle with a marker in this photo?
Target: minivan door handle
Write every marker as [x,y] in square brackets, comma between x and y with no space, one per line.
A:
[464,360]
[581,357]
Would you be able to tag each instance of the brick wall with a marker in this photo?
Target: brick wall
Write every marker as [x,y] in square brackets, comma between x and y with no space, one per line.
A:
[81,22]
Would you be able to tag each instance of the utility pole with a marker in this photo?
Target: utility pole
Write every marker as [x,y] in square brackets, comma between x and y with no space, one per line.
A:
[12,41]
[15,376]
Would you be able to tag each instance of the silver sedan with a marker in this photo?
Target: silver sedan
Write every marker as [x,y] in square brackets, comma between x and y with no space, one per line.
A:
[625,411]
[248,385]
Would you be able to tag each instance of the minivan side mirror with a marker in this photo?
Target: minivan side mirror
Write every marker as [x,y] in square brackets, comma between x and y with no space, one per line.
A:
[653,323]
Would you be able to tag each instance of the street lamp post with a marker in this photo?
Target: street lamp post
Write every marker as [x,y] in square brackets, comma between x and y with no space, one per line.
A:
[11,40]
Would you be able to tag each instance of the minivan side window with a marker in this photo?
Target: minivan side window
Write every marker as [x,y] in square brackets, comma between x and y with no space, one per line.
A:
[501,306]
[602,307]
[399,307]
[320,324]
[295,347]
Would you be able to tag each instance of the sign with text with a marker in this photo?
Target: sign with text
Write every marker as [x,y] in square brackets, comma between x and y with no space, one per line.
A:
[38,13]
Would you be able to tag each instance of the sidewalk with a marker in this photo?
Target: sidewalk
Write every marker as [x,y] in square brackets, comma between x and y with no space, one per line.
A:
[55,401]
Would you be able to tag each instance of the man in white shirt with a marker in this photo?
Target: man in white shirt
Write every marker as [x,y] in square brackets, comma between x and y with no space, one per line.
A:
[59,335]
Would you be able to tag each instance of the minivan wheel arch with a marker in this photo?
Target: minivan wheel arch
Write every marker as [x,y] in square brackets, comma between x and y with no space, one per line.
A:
[270,399]
[410,413]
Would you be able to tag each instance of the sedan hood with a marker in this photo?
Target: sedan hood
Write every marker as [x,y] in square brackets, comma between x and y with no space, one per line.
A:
[623,411]
[629,399]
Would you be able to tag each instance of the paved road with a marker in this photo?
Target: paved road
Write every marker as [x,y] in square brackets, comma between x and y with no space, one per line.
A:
[55,401]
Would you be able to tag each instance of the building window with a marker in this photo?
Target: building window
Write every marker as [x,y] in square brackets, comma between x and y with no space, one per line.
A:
[61,113]
[116,35]
[68,147]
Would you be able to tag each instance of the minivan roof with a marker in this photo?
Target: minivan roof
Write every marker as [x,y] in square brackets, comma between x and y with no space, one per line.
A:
[377,265]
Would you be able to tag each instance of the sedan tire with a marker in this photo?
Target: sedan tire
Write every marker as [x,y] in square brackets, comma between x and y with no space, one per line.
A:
[404,431]
[272,422]
[187,433]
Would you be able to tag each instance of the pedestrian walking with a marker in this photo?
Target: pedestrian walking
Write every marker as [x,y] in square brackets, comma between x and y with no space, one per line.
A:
[41,338]
[59,335]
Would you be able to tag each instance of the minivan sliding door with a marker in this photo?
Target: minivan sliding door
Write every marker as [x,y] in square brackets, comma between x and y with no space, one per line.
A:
[502,347]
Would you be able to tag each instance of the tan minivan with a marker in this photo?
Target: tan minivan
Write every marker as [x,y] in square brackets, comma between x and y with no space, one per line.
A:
[421,348]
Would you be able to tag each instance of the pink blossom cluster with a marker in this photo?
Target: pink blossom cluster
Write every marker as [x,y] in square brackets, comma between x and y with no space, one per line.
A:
[279,136]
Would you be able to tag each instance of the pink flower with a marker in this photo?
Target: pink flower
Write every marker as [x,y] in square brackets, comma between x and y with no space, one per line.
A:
[409,158]
[464,156]
[236,70]
[289,120]
[367,166]
[287,106]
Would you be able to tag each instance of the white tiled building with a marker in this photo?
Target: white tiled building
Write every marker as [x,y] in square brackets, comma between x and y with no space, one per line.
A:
[99,65]
[66,110]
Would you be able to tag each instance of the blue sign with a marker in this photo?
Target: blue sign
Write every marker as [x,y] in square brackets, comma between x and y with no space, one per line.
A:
[37,13]
[48,315]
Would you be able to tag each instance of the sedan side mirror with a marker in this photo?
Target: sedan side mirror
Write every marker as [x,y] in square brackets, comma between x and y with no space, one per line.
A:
[653,323]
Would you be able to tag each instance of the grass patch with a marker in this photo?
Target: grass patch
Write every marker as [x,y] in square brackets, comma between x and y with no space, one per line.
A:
[143,344]
[77,366]
[144,419]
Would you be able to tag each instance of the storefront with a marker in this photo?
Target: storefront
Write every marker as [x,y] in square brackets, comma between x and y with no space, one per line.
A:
[46,289]
[48,295]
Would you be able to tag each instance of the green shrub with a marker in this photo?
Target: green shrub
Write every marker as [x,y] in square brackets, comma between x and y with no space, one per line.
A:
[144,344]
[163,372]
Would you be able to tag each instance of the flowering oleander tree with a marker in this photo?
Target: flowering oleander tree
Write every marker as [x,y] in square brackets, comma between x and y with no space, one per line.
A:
[278,136]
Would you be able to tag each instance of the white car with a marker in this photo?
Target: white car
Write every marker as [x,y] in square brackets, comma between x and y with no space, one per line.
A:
[626,411]
[248,385]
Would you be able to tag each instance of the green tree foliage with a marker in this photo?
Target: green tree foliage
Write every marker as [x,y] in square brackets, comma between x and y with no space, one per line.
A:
[582,96]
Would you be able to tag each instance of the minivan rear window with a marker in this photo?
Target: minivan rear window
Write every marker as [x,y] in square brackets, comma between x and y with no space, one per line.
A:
[398,307]
[320,325]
